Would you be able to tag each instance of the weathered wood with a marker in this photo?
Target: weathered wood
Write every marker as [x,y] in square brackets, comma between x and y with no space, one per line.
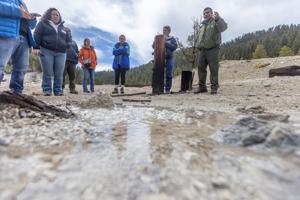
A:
[32,103]
[293,70]
[138,86]
[159,65]
[137,100]
[127,95]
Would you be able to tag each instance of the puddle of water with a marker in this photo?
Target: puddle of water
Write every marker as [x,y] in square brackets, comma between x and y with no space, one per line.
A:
[142,153]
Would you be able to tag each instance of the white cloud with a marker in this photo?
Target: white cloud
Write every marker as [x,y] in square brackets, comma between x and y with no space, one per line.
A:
[140,20]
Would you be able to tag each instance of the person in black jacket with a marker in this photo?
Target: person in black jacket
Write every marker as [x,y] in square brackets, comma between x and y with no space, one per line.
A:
[72,61]
[52,42]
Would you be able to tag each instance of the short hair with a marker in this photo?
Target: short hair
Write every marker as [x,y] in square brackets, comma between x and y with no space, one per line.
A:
[167,27]
[122,36]
[47,15]
[208,8]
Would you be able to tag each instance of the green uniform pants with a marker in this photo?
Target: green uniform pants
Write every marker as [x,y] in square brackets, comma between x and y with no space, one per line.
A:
[209,57]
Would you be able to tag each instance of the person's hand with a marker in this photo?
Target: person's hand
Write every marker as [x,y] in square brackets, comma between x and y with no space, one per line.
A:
[216,16]
[24,13]
[36,52]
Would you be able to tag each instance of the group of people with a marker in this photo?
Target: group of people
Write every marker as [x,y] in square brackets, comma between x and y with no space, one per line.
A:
[59,54]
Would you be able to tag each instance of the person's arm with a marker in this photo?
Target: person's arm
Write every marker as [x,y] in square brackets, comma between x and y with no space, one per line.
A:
[81,57]
[116,50]
[221,25]
[32,23]
[38,32]
[172,44]
[125,50]
[10,10]
[95,61]
[76,47]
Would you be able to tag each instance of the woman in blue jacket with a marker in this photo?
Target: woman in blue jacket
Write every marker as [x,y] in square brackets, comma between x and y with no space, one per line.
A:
[121,63]
[52,39]
[15,40]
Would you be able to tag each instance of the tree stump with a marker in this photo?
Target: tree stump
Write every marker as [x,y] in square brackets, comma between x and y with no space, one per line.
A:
[159,65]
[285,71]
[32,103]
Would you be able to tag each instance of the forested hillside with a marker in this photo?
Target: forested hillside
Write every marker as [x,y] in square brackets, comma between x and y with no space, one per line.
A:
[282,40]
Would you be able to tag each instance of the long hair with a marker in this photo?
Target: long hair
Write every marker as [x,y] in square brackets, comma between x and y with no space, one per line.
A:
[47,15]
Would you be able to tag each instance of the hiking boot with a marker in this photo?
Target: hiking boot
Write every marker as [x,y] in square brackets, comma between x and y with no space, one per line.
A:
[200,90]
[122,90]
[73,91]
[47,94]
[213,92]
[115,91]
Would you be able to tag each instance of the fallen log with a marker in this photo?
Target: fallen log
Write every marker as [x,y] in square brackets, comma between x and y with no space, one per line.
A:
[127,95]
[293,70]
[26,101]
[137,100]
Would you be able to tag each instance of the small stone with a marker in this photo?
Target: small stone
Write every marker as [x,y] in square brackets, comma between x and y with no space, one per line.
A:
[4,142]
[54,143]
[220,183]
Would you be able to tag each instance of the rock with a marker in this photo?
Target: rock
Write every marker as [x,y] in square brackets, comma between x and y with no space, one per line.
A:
[267,85]
[251,131]
[252,110]
[253,139]
[54,143]
[220,183]
[4,142]
[8,196]
[282,137]
[274,117]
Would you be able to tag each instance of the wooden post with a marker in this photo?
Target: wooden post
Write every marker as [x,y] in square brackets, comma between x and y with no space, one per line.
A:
[159,65]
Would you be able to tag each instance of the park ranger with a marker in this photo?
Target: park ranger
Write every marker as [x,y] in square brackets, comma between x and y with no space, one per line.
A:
[208,44]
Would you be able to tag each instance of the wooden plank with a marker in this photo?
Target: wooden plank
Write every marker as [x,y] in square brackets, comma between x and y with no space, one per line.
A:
[138,86]
[159,65]
[127,95]
[137,100]
[293,70]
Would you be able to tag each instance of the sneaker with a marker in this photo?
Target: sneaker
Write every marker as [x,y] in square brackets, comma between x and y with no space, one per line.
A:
[115,91]
[168,92]
[122,90]
[200,90]
[92,91]
[86,91]
[58,94]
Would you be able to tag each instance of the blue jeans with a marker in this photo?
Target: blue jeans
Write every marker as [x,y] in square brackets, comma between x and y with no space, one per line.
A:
[169,73]
[53,64]
[88,73]
[18,50]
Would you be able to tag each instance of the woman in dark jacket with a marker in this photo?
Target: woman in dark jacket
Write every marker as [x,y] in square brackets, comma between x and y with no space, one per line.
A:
[52,41]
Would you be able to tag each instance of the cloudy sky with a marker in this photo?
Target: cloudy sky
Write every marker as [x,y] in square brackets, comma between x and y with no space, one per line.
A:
[140,20]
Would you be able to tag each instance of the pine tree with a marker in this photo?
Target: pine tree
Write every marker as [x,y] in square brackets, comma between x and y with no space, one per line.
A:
[286,51]
[260,52]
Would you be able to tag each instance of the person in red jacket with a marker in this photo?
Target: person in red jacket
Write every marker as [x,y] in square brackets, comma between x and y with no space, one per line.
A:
[88,61]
